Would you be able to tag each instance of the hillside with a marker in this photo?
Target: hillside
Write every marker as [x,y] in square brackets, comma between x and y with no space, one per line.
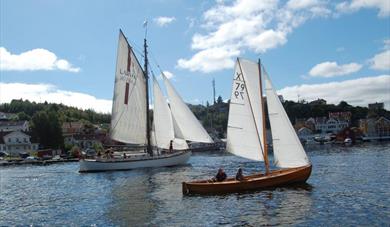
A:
[213,117]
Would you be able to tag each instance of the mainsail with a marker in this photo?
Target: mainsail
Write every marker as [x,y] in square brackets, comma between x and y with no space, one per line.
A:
[189,127]
[163,123]
[288,150]
[128,121]
[245,128]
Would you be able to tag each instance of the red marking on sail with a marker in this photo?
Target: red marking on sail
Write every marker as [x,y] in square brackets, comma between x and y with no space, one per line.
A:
[127,93]
[128,59]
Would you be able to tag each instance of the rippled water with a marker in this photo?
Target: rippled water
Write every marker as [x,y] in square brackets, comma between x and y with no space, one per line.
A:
[348,186]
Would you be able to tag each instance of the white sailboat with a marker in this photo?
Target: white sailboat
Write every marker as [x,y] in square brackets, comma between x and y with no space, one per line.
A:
[130,119]
[246,136]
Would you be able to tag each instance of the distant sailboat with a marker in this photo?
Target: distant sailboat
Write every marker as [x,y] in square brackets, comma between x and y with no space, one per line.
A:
[130,122]
[246,136]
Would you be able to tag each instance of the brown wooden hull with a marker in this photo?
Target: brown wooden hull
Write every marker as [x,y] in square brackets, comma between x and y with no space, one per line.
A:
[253,182]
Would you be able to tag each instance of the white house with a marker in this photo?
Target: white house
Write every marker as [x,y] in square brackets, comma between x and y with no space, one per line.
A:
[16,142]
[330,125]
[10,126]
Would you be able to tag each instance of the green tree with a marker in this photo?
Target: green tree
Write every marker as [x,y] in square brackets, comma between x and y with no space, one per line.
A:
[46,128]
[22,116]
[219,100]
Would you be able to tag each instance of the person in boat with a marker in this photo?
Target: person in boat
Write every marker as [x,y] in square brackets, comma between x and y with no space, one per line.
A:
[111,153]
[171,146]
[221,175]
[239,175]
[107,153]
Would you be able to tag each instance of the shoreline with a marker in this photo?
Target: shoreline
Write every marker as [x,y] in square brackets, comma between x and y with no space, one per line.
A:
[36,162]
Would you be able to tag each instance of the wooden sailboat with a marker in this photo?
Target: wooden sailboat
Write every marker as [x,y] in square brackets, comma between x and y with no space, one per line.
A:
[130,124]
[246,136]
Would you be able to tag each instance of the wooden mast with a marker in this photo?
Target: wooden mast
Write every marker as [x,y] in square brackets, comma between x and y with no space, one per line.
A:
[265,153]
[148,146]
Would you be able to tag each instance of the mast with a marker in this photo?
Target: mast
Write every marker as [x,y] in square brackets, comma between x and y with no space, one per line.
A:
[265,153]
[148,146]
[213,90]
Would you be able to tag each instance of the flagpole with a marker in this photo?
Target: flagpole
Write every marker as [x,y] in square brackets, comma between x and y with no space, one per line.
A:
[146,27]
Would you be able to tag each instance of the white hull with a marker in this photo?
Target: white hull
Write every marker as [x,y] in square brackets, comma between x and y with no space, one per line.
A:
[93,165]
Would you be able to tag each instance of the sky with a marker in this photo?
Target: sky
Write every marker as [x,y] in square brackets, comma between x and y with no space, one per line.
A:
[64,51]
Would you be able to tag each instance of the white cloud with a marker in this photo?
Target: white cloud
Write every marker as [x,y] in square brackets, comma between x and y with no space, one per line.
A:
[381,61]
[36,59]
[51,94]
[331,69]
[358,92]
[355,5]
[164,21]
[210,60]
[267,40]
[301,4]
[387,44]
[233,27]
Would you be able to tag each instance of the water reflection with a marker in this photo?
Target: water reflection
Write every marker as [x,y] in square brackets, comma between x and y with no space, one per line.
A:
[130,201]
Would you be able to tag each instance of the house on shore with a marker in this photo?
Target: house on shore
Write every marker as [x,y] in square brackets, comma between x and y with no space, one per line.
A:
[10,126]
[16,142]
[375,128]
[83,135]
[331,125]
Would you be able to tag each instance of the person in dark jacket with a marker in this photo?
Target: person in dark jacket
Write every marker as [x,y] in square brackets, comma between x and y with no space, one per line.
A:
[171,146]
[239,175]
[221,175]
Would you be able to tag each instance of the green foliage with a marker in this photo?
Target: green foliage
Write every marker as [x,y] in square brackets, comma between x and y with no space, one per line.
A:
[46,128]
[26,109]
[98,147]
[22,116]
[68,147]
[215,117]
[75,152]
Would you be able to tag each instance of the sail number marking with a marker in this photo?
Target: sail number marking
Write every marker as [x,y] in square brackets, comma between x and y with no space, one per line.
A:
[239,90]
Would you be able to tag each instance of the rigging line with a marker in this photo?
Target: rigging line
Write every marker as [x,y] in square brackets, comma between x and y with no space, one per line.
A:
[155,61]
[134,46]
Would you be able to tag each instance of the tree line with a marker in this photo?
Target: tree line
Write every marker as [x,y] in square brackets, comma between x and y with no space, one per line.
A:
[46,118]
[215,117]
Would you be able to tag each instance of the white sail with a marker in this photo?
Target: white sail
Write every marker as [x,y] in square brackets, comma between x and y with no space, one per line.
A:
[179,144]
[128,121]
[189,126]
[243,137]
[163,126]
[288,150]
[178,133]
[164,130]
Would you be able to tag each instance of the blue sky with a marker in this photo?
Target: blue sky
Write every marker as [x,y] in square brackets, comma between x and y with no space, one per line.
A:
[65,51]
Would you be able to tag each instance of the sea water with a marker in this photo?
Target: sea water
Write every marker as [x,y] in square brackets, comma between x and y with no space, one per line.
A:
[349,186]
